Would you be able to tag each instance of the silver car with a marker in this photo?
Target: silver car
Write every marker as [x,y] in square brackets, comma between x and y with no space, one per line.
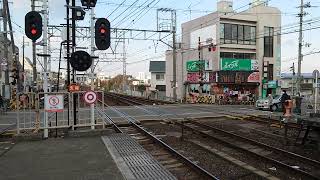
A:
[263,104]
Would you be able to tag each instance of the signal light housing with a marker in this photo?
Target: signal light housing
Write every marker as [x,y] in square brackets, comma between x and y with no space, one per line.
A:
[89,3]
[80,61]
[102,34]
[33,25]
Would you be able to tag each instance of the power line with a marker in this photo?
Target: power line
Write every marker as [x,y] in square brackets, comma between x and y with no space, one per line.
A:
[136,11]
[116,8]
[125,10]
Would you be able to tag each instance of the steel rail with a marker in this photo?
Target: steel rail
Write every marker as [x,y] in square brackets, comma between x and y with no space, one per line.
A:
[132,121]
[283,165]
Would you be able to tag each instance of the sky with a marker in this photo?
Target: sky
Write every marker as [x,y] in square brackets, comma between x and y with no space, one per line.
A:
[139,52]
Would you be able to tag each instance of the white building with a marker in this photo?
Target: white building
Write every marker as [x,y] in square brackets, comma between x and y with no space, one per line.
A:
[158,81]
[240,53]
[288,83]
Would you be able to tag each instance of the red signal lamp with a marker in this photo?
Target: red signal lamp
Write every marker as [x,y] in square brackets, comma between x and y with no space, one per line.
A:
[33,31]
[102,30]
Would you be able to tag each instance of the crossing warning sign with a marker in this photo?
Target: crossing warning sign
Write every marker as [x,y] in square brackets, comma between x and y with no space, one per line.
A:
[53,103]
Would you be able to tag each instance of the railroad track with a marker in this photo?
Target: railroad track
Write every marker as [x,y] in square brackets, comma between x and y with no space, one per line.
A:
[175,162]
[291,165]
[137,100]
[251,117]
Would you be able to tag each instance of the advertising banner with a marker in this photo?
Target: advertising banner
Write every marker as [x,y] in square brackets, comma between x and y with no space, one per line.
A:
[194,65]
[228,64]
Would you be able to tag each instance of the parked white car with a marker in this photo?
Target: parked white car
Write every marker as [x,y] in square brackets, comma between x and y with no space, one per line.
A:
[263,104]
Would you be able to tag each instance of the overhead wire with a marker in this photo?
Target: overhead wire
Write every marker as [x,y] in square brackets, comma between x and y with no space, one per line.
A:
[136,11]
[122,13]
[117,8]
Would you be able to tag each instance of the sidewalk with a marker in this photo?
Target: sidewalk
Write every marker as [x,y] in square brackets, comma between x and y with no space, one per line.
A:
[63,159]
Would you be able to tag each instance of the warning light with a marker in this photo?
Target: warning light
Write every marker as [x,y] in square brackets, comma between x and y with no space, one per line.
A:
[102,30]
[33,31]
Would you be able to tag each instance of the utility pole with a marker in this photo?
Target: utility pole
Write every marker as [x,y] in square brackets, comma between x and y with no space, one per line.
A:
[34,57]
[174,55]
[24,74]
[293,75]
[45,64]
[73,4]
[23,54]
[200,64]
[124,83]
[14,53]
[300,56]
[92,66]
[6,87]
[68,55]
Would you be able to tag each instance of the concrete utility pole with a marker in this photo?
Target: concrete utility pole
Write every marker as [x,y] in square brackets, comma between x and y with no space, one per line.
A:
[6,87]
[300,48]
[45,64]
[14,53]
[34,57]
[174,63]
[92,66]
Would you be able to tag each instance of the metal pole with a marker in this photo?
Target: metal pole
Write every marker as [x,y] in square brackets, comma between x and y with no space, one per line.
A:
[316,95]
[300,48]
[45,64]
[23,54]
[68,57]
[92,66]
[73,50]
[293,74]
[34,57]
[124,71]
[24,73]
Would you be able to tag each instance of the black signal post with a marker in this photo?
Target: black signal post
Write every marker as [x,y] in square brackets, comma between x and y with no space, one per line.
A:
[102,34]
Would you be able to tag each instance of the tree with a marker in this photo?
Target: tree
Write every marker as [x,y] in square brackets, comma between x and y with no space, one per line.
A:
[141,88]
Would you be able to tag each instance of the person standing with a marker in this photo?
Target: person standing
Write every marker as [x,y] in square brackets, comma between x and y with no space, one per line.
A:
[1,102]
[283,100]
[270,102]
[298,99]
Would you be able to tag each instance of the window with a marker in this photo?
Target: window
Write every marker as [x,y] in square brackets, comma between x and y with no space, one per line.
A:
[253,35]
[268,41]
[238,55]
[160,77]
[222,33]
[234,34]
[247,34]
[240,34]
[237,34]
[227,33]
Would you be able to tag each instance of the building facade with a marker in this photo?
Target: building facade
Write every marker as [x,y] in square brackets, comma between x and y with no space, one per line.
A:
[157,81]
[288,83]
[6,64]
[229,53]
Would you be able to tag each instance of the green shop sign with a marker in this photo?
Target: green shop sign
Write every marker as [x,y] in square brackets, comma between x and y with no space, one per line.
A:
[193,66]
[272,84]
[229,64]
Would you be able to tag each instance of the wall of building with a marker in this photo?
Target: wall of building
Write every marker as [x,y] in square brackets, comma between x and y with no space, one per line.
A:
[154,82]
[259,17]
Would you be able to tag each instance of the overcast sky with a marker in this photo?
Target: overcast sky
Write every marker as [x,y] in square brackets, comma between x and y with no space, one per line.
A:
[143,50]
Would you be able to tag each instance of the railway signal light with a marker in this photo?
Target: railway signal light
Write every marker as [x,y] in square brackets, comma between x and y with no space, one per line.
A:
[102,34]
[89,3]
[33,25]
[80,61]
